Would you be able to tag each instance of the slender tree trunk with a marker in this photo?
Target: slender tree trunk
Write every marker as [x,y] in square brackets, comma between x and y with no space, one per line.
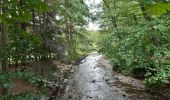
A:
[22,26]
[0,43]
[33,21]
[16,64]
[40,31]
[44,56]
[113,18]
[43,36]
[67,33]
[5,44]
[4,35]
[146,16]
[71,39]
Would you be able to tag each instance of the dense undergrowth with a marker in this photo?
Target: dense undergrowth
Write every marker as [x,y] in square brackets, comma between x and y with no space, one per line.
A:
[135,37]
[141,51]
[41,85]
[36,31]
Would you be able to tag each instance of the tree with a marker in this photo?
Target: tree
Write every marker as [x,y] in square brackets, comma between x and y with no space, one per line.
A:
[71,16]
[139,45]
[4,40]
[40,30]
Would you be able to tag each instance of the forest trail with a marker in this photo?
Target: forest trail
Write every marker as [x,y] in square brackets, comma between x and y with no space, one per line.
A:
[95,80]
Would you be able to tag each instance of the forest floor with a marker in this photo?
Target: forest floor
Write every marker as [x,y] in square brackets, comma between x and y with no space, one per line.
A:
[94,79]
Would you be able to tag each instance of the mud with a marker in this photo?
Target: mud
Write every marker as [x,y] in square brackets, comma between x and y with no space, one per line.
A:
[94,79]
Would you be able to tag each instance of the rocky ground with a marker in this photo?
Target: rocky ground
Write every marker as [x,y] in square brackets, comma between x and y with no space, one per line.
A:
[94,79]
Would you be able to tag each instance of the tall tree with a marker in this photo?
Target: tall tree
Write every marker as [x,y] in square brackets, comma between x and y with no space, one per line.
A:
[4,40]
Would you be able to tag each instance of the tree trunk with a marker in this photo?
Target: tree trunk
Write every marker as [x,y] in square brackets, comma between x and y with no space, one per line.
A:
[146,16]
[33,21]
[112,18]
[4,36]
[67,33]
[0,36]
[4,44]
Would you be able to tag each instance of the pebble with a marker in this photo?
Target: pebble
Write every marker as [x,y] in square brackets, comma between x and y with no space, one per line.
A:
[93,81]
[72,71]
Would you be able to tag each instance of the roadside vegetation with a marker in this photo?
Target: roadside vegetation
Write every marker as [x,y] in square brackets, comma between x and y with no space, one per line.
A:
[39,31]
[134,35]
[136,39]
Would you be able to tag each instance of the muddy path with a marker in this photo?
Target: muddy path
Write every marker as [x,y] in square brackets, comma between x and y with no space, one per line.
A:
[93,79]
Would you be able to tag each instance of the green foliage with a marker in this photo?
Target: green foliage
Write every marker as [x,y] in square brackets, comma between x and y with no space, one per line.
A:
[23,96]
[84,44]
[136,46]
[38,30]
[156,8]
[6,79]
[22,45]
[160,79]
[140,49]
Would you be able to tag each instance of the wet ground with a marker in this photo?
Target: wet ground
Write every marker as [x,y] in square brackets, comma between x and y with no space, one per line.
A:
[93,79]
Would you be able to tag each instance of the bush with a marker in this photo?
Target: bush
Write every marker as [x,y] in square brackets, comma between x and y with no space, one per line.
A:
[7,79]
[160,79]
[22,96]
[140,50]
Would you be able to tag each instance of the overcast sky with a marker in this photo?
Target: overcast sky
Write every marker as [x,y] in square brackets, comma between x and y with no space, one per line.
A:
[93,25]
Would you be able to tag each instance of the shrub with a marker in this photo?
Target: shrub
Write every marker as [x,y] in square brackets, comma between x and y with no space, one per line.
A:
[140,50]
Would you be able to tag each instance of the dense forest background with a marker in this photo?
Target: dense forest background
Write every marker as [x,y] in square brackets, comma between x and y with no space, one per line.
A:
[39,31]
[134,36]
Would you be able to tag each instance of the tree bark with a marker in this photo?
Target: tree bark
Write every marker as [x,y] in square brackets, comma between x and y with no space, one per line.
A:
[33,21]
[4,36]
[0,36]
